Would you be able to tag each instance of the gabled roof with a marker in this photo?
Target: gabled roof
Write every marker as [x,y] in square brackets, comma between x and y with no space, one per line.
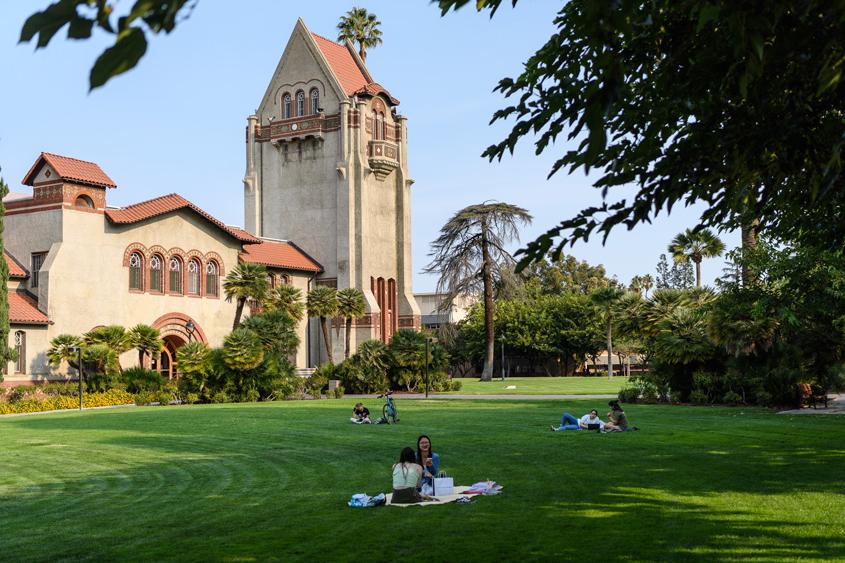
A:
[23,309]
[16,269]
[279,254]
[72,169]
[168,204]
[352,74]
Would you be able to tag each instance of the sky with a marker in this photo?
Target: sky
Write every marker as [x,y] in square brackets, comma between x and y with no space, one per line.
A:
[176,122]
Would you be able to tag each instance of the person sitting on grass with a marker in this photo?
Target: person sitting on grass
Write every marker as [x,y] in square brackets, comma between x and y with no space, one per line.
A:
[360,414]
[406,477]
[617,420]
[428,461]
[569,422]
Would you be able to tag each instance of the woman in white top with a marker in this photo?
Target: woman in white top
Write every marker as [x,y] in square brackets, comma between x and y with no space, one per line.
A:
[406,477]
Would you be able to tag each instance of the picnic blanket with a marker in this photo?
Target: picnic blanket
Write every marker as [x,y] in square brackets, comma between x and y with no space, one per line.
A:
[438,499]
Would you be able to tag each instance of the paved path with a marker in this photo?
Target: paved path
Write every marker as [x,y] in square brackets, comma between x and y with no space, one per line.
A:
[504,397]
[835,405]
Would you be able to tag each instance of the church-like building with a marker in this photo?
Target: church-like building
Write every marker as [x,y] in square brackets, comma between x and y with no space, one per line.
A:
[326,167]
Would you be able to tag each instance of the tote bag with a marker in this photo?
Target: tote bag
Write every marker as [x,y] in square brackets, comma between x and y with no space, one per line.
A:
[444,485]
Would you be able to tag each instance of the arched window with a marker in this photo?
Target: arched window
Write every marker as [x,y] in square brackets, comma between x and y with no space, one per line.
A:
[286,106]
[315,101]
[212,277]
[155,274]
[285,279]
[375,128]
[381,125]
[175,275]
[20,348]
[271,281]
[136,272]
[194,277]
[84,201]
[300,103]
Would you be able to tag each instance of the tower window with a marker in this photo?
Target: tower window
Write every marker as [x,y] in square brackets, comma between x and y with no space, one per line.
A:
[286,106]
[37,260]
[20,348]
[315,101]
[84,201]
[300,103]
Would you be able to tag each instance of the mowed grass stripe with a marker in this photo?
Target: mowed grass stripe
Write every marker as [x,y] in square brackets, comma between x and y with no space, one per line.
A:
[270,481]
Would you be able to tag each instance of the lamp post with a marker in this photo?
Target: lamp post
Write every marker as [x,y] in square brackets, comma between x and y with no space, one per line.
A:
[427,342]
[503,359]
[78,351]
[190,328]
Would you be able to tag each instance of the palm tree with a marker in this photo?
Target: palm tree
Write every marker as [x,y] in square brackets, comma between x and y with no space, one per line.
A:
[242,350]
[286,298]
[350,305]
[361,27]
[322,302]
[606,298]
[147,340]
[470,253]
[245,281]
[62,349]
[695,246]
[112,337]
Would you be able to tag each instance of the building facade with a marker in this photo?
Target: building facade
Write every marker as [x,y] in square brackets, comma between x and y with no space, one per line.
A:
[327,166]
[76,264]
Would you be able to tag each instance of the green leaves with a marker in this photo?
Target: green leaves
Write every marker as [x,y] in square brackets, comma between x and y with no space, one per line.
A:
[117,59]
[130,42]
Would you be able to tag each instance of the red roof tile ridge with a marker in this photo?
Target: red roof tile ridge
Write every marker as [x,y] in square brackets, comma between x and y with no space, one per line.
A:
[71,168]
[45,153]
[151,200]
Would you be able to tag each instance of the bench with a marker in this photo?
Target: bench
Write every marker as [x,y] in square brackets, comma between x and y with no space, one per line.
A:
[810,397]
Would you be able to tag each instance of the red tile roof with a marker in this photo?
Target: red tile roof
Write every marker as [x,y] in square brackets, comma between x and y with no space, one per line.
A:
[23,309]
[342,63]
[279,255]
[168,204]
[16,270]
[374,88]
[72,169]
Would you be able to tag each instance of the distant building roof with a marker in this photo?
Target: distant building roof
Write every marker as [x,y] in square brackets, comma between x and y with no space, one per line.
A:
[168,204]
[354,79]
[16,269]
[23,309]
[72,169]
[280,254]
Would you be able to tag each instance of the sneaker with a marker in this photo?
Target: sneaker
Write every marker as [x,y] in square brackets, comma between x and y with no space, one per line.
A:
[552,428]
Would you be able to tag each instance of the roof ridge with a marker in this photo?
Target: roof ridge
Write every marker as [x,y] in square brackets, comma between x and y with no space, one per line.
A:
[69,158]
[171,194]
[326,38]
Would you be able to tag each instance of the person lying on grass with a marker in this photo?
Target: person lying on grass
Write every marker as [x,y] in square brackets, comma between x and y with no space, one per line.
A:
[406,478]
[428,461]
[617,420]
[569,422]
[360,414]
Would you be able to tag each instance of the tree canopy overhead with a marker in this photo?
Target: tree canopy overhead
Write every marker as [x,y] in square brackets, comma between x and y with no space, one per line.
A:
[738,105]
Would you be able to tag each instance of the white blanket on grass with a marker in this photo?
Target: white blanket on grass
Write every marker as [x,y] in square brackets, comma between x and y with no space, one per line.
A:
[438,499]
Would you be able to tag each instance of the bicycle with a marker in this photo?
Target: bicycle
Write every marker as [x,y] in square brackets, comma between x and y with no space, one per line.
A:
[388,411]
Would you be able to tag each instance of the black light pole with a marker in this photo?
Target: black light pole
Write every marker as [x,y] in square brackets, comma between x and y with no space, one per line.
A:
[189,328]
[503,359]
[426,367]
[78,351]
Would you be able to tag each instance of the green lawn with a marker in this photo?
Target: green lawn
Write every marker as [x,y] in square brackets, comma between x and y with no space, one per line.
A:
[542,386]
[270,481]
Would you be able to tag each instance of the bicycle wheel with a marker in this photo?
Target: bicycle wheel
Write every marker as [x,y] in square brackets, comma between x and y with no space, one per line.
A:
[385,413]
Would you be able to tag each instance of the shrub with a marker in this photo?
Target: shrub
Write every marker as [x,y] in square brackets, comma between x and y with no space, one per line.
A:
[338,392]
[731,398]
[192,398]
[366,370]
[62,388]
[629,395]
[139,379]
[143,398]
[455,385]
[698,397]
[19,392]
[64,402]
[219,397]
[163,398]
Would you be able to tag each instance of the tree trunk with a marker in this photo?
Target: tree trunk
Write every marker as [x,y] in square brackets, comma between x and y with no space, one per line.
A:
[348,336]
[141,358]
[697,273]
[749,242]
[324,325]
[609,348]
[487,273]
[239,309]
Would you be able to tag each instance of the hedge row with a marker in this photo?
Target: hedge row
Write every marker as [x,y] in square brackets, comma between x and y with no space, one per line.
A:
[63,402]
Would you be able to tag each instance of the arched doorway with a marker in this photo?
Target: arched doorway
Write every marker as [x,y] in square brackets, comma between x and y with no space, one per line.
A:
[176,330]
[166,364]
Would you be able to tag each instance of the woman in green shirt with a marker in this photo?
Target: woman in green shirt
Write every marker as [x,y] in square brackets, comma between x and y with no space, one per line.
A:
[406,477]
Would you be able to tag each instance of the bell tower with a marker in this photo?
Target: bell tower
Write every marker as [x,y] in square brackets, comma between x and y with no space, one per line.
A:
[327,167]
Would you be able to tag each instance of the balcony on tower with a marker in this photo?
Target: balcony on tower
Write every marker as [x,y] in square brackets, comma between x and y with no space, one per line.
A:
[383,157]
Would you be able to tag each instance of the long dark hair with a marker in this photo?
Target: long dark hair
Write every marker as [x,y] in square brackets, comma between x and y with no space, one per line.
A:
[420,459]
[615,405]
[407,456]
